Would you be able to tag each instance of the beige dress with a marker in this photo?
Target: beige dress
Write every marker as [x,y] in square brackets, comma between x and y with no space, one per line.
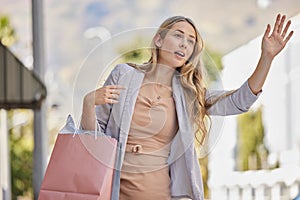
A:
[145,172]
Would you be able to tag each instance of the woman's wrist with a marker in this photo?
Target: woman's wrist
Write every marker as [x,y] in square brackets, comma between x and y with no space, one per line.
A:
[266,56]
[89,101]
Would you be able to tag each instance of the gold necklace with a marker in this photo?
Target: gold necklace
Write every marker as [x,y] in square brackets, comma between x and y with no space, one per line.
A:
[159,86]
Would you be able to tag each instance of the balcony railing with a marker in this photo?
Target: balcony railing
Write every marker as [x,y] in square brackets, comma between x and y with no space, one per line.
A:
[276,184]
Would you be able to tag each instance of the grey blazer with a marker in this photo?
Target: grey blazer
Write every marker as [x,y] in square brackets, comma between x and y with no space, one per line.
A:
[115,120]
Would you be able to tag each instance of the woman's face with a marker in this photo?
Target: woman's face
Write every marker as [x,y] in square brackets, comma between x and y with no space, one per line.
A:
[177,46]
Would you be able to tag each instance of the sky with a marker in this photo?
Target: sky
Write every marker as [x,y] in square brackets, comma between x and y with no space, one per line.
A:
[224,25]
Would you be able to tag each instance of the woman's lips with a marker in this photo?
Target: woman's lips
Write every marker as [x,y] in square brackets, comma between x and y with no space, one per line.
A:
[179,55]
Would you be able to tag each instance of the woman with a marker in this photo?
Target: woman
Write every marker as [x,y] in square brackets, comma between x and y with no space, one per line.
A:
[156,109]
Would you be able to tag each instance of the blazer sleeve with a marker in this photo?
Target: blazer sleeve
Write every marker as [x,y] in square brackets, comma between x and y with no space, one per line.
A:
[103,111]
[238,102]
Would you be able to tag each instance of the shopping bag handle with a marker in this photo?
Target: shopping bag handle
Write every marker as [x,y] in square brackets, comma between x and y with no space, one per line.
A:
[70,127]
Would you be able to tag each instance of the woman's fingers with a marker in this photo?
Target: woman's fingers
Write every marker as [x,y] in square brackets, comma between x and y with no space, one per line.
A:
[113,89]
[114,92]
[281,23]
[288,37]
[287,26]
[267,32]
[108,94]
[277,24]
[109,100]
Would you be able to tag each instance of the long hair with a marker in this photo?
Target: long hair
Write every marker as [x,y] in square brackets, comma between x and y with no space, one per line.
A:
[191,75]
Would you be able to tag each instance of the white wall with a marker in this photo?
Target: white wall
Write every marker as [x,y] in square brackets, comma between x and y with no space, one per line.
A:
[280,100]
[5,183]
[281,91]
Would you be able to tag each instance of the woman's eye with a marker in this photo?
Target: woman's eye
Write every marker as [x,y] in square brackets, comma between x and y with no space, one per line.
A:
[178,35]
[191,42]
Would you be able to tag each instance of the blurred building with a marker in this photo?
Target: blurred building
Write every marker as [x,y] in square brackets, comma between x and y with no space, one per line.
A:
[281,116]
[19,88]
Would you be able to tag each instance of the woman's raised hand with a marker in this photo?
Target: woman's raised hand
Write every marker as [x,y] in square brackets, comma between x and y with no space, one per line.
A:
[104,95]
[273,43]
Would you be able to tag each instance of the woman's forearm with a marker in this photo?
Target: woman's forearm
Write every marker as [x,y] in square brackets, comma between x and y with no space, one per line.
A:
[272,44]
[108,94]
[257,79]
[88,118]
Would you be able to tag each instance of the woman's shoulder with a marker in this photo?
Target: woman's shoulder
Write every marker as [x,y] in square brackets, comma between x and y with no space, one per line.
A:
[123,68]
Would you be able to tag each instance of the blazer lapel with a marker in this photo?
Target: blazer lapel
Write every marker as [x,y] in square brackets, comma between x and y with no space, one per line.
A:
[132,85]
[182,156]
[184,138]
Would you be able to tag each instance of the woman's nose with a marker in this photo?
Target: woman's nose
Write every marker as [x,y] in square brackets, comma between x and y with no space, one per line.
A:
[183,43]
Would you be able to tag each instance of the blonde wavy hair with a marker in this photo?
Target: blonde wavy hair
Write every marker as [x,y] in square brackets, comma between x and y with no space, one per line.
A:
[191,75]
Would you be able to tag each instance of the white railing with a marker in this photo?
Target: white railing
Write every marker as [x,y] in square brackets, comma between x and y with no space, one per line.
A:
[277,184]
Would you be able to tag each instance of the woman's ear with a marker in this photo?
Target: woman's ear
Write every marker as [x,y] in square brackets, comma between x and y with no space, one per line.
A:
[158,41]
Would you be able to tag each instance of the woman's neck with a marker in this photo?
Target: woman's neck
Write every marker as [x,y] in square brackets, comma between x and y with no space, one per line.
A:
[161,74]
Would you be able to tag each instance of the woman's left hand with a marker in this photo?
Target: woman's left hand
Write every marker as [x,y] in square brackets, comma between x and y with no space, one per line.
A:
[274,43]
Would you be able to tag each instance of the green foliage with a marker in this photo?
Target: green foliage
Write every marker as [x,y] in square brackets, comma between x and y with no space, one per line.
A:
[204,171]
[21,150]
[7,33]
[136,54]
[251,151]
[20,136]
[212,63]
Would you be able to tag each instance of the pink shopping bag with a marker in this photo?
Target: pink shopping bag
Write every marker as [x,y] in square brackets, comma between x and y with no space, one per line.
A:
[81,167]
